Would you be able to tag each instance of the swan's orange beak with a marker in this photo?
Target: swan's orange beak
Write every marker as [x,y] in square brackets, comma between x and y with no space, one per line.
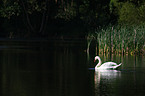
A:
[94,61]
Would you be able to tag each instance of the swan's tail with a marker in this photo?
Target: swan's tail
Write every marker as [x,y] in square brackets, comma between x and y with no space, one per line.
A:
[117,65]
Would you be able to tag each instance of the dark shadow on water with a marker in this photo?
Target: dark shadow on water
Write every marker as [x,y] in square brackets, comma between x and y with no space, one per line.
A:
[44,69]
[59,68]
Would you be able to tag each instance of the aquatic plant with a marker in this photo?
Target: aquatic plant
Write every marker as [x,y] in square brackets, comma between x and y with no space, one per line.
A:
[90,37]
[121,39]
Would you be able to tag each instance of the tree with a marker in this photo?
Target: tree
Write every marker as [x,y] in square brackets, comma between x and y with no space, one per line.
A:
[131,14]
[33,14]
[32,9]
[9,8]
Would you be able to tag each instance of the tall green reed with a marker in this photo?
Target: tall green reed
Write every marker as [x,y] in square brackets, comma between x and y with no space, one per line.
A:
[121,39]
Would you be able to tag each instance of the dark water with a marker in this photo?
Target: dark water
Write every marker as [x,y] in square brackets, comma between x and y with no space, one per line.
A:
[63,69]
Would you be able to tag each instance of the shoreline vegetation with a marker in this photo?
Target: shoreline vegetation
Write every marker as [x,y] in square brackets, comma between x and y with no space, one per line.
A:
[120,40]
[117,25]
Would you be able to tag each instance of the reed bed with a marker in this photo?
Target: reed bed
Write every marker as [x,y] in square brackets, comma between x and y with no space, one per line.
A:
[122,40]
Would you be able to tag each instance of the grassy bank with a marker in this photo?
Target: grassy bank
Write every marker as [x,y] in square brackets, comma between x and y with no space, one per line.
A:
[122,40]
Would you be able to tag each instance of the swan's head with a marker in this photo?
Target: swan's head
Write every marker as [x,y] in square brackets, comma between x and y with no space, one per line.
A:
[99,63]
[97,57]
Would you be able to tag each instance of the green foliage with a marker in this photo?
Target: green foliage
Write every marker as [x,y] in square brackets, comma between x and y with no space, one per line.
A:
[38,15]
[34,5]
[9,9]
[131,15]
[14,8]
[128,13]
[141,14]
[113,4]
[84,10]
[66,12]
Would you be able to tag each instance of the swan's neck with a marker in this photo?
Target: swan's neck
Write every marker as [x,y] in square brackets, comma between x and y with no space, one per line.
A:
[99,63]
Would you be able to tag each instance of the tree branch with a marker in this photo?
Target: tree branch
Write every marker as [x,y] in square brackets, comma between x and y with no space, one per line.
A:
[27,17]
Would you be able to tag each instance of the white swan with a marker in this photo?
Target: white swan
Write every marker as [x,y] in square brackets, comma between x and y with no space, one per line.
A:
[106,65]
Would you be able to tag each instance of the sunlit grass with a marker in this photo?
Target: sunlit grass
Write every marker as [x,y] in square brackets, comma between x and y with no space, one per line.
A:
[122,40]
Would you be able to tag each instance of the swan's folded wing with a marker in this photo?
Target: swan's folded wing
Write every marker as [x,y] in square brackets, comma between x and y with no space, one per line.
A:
[109,64]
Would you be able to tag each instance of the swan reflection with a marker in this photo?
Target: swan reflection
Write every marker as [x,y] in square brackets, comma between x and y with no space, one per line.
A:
[104,79]
[106,75]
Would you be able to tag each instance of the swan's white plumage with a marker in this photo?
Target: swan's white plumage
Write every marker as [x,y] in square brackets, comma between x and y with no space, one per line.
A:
[106,66]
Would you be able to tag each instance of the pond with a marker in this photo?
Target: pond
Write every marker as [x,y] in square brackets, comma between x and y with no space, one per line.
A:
[59,68]
[128,80]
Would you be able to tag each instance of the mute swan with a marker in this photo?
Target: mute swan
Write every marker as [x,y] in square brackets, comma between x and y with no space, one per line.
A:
[106,65]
